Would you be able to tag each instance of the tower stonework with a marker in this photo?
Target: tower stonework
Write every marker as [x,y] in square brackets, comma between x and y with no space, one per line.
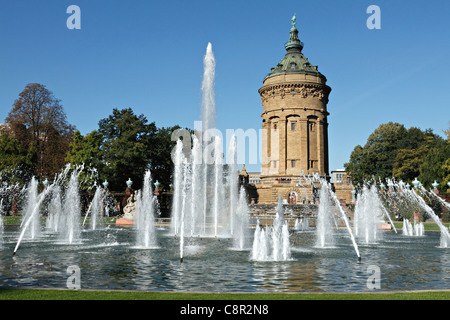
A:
[294,97]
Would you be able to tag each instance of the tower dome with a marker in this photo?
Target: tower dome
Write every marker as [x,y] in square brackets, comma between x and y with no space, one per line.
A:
[294,61]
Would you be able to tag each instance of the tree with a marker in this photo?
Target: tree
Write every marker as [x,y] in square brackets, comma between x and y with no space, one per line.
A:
[85,150]
[391,151]
[161,163]
[15,158]
[377,157]
[125,148]
[408,161]
[37,117]
[434,166]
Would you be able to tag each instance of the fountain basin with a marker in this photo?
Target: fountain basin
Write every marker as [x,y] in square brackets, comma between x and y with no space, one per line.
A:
[110,260]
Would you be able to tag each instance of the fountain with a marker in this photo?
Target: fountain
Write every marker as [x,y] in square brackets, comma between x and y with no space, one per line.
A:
[325,219]
[54,211]
[31,216]
[368,215]
[144,215]
[324,229]
[241,222]
[272,243]
[414,198]
[205,198]
[95,208]
[412,230]
[445,235]
[70,219]
[210,209]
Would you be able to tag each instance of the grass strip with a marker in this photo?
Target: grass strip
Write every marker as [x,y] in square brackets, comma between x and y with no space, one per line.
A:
[65,294]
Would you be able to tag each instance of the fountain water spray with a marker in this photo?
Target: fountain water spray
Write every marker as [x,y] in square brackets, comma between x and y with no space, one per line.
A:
[412,230]
[272,243]
[415,196]
[34,201]
[241,222]
[325,215]
[70,225]
[368,215]
[54,211]
[445,235]
[32,213]
[343,215]
[144,214]
[205,198]
[95,207]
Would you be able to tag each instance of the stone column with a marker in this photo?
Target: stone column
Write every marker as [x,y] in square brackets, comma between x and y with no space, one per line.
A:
[282,146]
[303,144]
[320,147]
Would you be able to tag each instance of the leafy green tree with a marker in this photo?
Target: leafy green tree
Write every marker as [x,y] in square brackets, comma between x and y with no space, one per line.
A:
[377,157]
[392,151]
[16,159]
[85,150]
[433,164]
[126,148]
[408,161]
[161,163]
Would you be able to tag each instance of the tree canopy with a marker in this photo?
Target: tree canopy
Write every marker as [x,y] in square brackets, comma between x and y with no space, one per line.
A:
[394,151]
[124,147]
[37,119]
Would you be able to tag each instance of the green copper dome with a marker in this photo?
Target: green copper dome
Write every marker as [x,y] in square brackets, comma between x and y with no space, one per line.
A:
[294,61]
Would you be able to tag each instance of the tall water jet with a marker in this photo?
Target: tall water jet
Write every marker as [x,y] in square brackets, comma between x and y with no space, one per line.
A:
[218,185]
[241,222]
[178,188]
[96,206]
[208,95]
[325,225]
[272,243]
[54,211]
[344,217]
[30,222]
[33,230]
[197,212]
[70,232]
[144,215]
[204,199]
[368,215]
[233,183]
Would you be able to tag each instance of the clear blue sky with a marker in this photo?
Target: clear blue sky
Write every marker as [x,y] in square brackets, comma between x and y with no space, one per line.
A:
[148,55]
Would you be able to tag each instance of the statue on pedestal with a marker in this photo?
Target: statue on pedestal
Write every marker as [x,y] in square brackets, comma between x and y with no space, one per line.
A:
[130,207]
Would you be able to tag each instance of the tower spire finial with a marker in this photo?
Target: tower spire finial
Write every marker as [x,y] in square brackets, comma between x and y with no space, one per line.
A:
[294,42]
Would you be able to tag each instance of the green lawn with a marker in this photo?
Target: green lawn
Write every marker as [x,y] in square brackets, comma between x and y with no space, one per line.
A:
[65,294]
